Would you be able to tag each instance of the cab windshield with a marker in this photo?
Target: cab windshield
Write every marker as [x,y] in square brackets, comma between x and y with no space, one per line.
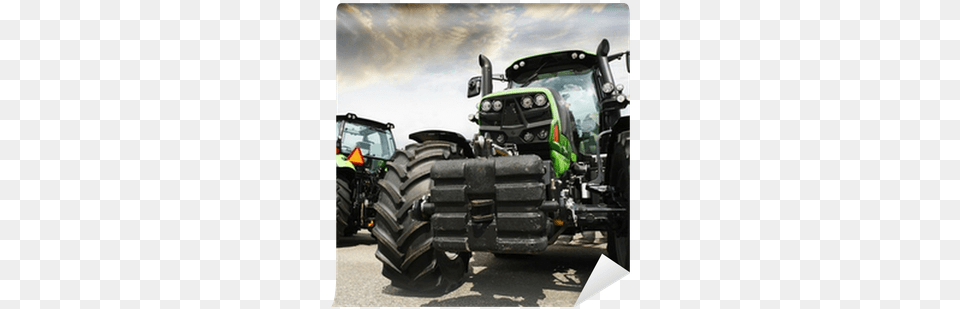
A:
[373,142]
[578,92]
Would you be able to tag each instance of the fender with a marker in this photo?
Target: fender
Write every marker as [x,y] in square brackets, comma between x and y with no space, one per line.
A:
[443,135]
[622,125]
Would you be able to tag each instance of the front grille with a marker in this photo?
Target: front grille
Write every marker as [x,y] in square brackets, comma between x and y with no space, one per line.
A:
[509,125]
[513,114]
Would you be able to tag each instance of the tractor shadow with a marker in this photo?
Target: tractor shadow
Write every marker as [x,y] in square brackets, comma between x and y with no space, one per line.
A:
[360,238]
[525,280]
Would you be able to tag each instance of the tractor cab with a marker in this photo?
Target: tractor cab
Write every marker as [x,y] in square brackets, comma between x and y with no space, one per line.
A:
[363,143]
[577,91]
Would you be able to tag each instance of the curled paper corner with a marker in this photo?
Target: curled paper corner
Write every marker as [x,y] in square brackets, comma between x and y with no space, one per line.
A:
[604,274]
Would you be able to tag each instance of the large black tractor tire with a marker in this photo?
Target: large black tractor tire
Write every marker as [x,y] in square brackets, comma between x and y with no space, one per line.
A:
[618,237]
[345,226]
[404,242]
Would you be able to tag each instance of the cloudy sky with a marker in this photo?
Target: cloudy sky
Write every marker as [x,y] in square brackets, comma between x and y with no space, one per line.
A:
[409,64]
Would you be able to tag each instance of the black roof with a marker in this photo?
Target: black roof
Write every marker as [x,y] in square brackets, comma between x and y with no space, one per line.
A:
[351,117]
[551,62]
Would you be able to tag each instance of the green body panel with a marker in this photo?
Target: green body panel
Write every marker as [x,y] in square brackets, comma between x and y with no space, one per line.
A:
[342,162]
[560,163]
[561,152]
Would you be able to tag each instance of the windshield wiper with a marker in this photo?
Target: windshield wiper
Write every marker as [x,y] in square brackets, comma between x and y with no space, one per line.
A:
[530,79]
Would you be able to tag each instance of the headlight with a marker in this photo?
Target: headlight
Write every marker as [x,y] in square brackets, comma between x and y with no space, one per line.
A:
[526,102]
[528,137]
[621,98]
[485,106]
[607,87]
[542,134]
[541,100]
[497,105]
[501,138]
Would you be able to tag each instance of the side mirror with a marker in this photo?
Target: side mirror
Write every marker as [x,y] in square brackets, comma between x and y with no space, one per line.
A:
[473,86]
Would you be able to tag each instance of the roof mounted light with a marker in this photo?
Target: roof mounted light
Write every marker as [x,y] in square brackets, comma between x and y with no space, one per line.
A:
[582,56]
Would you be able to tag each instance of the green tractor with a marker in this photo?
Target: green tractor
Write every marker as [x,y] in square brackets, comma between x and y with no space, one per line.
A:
[363,148]
[551,158]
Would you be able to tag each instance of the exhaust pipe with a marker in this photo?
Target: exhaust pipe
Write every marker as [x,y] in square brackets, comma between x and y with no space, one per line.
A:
[486,75]
[602,61]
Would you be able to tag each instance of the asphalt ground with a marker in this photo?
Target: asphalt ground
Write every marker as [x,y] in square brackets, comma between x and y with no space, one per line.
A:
[553,278]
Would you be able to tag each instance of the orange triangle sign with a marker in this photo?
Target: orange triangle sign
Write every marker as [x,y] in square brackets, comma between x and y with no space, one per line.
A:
[356,157]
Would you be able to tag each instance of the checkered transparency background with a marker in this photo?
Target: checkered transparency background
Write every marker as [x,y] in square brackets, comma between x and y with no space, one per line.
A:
[173,154]
[166,154]
[799,154]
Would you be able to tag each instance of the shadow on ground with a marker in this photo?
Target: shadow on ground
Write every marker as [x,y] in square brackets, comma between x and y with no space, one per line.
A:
[560,268]
[356,240]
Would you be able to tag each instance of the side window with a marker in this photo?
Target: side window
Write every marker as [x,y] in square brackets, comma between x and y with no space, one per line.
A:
[580,93]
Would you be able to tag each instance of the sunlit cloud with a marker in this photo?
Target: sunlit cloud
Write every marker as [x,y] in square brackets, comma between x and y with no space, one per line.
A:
[399,42]
[559,11]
